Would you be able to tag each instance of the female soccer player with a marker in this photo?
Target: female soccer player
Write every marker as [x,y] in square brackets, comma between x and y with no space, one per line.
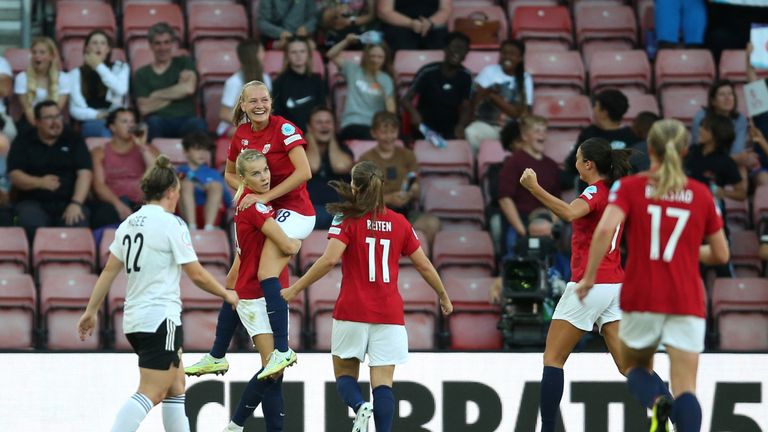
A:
[253,226]
[153,246]
[667,217]
[368,318]
[599,166]
[283,145]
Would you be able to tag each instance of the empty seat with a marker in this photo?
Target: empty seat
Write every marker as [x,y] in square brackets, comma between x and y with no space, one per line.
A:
[564,111]
[212,105]
[408,62]
[559,144]
[63,298]
[480,13]
[321,298]
[420,305]
[683,103]
[139,17]
[543,22]
[216,61]
[639,102]
[312,248]
[216,20]
[760,207]
[200,315]
[744,253]
[212,248]
[737,213]
[740,308]
[65,246]
[472,325]
[514,4]
[18,58]
[75,19]
[733,66]
[684,67]
[743,331]
[463,249]
[556,69]
[456,158]
[621,69]
[172,148]
[476,61]
[456,202]
[14,250]
[274,62]
[593,46]
[115,305]
[17,311]
[491,152]
[605,21]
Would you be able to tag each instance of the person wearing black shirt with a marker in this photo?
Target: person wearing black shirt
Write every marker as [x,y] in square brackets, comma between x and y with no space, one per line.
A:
[51,171]
[639,159]
[414,24]
[443,89]
[297,90]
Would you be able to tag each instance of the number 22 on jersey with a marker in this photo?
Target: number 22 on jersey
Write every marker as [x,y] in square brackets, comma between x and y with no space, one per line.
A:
[681,219]
[384,244]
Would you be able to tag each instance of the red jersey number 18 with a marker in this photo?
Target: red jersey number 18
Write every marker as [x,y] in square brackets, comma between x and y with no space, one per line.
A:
[372,259]
[681,215]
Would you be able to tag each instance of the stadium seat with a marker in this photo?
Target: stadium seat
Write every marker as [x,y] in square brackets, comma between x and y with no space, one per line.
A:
[140,54]
[312,248]
[273,62]
[605,21]
[63,248]
[456,158]
[200,314]
[491,152]
[216,61]
[514,4]
[488,13]
[72,53]
[63,298]
[620,69]
[543,22]
[559,144]
[646,16]
[463,249]
[172,148]
[683,103]
[18,58]
[684,67]
[455,203]
[565,112]
[639,102]
[17,311]
[212,104]
[592,46]
[420,304]
[733,67]
[737,213]
[476,61]
[321,298]
[77,19]
[297,319]
[115,304]
[760,207]
[107,237]
[359,147]
[216,20]
[744,253]
[222,153]
[14,250]
[212,248]
[472,325]
[408,62]
[556,69]
[138,17]
[740,309]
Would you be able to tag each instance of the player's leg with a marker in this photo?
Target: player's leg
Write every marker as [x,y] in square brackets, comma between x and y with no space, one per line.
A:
[214,193]
[348,343]
[347,371]
[187,203]
[561,339]
[174,413]
[226,325]
[383,398]
[387,347]
[272,406]
[684,339]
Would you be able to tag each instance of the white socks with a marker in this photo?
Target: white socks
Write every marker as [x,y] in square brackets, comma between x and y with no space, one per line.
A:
[132,413]
[174,416]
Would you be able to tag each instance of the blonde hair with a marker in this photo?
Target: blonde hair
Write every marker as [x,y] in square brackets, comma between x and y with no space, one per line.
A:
[667,138]
[238,115]
[53,72]
[243,159]
[528,121]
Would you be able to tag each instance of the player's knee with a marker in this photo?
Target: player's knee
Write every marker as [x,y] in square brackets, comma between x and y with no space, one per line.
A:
[187,186]
[214,187]
[555,359]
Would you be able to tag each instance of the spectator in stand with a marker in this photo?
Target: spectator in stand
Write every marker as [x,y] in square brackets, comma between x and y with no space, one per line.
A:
[51,170]
[203,191]
[502,91]
[329,160]
[7,127]
[608,109]
[298,89]
[279,20]
[722,100]
[443,89]
[6,211]
[641,125]
[118,168]
[43,80]
[415,25]
[370,87]
[674,17]
[400,168]
[338,18]
[760,144]
[165,88]
[250,52]
[515,201]
[99,86]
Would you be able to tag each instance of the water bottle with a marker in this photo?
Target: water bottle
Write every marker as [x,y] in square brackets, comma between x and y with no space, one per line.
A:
[432,136]
[371,37]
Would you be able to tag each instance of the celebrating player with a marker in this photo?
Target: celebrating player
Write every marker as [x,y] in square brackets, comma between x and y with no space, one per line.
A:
[667,217]
[368,317]
[253,226]
[283,145]
[153,246]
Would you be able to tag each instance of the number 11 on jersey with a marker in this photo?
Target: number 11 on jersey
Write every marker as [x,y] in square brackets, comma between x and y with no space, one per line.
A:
[372,259]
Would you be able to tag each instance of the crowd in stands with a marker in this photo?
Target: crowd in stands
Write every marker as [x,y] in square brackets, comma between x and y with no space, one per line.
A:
[73,144]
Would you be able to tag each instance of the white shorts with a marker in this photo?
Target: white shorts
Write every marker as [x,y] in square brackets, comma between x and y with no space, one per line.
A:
[295,225]
[601,306]
[253,315]
[641,330]
[385,344]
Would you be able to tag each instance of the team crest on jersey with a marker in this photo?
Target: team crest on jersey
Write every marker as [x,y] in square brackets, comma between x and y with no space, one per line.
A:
[266,148]
[287,129]
[263,208]
[337,219]
[589,192]
[244,142]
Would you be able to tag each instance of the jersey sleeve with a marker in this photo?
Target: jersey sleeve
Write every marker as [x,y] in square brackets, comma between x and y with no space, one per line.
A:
[181,243]
[714,219]
[234,146]
[620,196]
[411,241]
[291,136]
[116,248]
[257,214]
[592,196]
[339,229]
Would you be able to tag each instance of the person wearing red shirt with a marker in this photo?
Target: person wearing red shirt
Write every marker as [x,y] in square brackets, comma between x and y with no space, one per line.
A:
[369,239]
[254,225]
[668,217]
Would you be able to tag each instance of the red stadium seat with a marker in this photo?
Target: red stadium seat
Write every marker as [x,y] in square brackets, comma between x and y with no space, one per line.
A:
[274,59]
[321,298]
[216,60]
[455,203]
[139,17]
[115,304]
[684,67]
[64,247]
[737,213]
[312,248]
[760,207]
[63,298]
[172,148]
[107,236]
[559,144]
[200,315]
[476,61]
[297,319]
[212,248]
[592,46]
[421,305]
[543,22]
[222,153]
[14,250]
[212,104]
[620,69]
[463,249]
[456,158]
[740,308]
[488,13]
[639,102]
[216,20]
[744,253]
[514,4]
[605,21]
[683,103]
[408,62]
[17,311]
[491,152]
[556,69]
[564,112]
[18,58]
[733,66]
[743,331]
[77,19]
[141,55]
[472,325]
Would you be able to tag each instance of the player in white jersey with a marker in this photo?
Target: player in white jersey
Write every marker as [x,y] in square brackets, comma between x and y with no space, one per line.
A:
[153,246]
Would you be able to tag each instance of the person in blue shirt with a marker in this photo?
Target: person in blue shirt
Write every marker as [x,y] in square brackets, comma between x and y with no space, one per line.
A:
[203,191]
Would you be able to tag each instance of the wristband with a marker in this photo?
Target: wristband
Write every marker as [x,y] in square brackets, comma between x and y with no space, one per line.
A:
[79,204]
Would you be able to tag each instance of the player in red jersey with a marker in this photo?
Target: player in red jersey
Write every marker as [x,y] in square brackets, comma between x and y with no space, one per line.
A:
[368,318]
[283,145]
[599,166]
[255,225]
[667,217]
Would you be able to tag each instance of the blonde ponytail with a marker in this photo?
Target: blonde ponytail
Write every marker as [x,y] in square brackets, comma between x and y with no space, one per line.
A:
[667,138]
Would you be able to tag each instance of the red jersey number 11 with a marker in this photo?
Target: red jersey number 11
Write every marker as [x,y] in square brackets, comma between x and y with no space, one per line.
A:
[372,259]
